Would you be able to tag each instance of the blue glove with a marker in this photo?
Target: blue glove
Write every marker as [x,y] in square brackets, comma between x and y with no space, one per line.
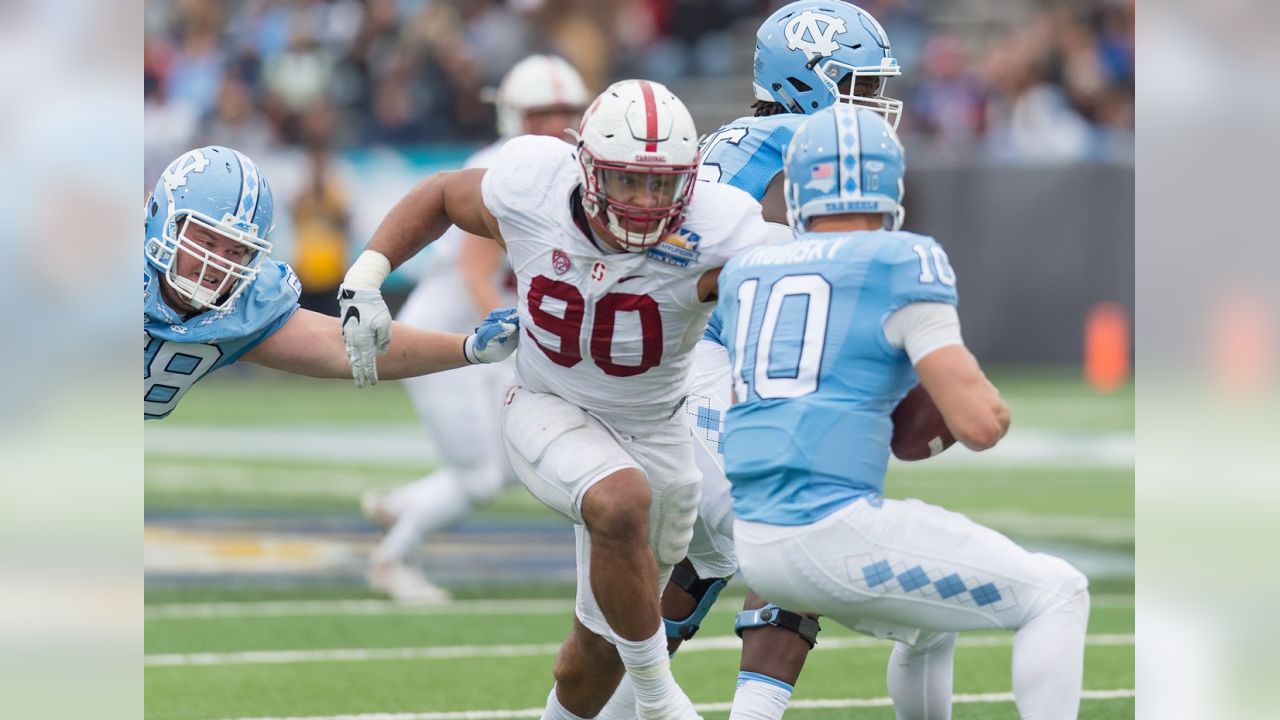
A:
[495,339]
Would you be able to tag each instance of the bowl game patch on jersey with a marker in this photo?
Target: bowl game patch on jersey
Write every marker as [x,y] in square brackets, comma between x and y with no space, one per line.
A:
[679,248]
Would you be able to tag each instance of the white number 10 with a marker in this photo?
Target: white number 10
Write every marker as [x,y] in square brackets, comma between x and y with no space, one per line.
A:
[817,291]
[941,270]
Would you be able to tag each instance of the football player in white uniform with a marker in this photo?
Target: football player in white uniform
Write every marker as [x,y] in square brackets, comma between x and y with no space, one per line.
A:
[540,95]
[616,262]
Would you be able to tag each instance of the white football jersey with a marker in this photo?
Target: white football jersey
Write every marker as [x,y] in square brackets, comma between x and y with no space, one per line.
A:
[611,332]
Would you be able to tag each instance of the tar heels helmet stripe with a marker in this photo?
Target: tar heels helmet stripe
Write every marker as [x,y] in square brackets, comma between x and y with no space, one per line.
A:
[806,50]
[843,160]
[220,190]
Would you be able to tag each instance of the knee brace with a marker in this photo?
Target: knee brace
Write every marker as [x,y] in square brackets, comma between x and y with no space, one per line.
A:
[806,627]
[704,591]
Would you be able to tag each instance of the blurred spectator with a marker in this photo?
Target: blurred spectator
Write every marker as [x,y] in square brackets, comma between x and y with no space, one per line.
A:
[171,128]
[1025,79]
[949,103]
[300,75]
[1029,117]
[321,218]
[195,70]
[236,123]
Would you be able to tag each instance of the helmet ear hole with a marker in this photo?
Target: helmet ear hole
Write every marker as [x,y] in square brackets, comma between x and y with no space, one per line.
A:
[799,84]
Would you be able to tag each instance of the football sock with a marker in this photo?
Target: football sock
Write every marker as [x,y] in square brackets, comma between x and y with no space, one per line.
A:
[622,706]
[649,667]
[920,679]
[759,697]
[1048,661]
[556,711]
[433,502]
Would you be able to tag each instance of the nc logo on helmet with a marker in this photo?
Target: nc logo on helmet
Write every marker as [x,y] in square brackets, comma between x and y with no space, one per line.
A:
[814,33]
[175,176]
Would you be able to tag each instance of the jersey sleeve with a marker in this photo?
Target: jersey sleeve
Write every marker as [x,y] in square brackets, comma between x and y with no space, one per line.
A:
[270,302]
[747,156]
[732,221]
[919,271]
[921,327]
[522,174]
[715,327]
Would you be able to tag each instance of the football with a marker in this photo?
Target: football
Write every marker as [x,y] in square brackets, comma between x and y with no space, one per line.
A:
[919,431]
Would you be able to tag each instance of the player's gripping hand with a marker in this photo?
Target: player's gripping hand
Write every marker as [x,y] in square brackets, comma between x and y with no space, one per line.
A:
[495,339]
[366,330]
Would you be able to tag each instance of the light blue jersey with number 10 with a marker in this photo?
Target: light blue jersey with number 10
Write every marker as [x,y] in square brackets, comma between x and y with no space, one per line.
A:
[815,379]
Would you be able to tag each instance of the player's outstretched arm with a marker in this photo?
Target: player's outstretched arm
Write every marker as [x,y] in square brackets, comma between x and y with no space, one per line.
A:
[418,218]
[971,406]
[311,344]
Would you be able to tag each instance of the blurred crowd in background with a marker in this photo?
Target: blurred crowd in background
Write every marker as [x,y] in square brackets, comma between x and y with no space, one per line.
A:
[258,73]
[321,81]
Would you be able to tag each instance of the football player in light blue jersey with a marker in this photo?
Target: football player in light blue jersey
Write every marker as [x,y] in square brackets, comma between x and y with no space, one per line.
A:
[809,55]
[212,295]
[826,335]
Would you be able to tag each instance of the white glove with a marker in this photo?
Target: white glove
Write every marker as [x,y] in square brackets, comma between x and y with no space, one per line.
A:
[366,330]
[495,339]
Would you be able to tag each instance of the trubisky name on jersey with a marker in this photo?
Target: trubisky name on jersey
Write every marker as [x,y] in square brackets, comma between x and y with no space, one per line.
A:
[800,251]
[679,248]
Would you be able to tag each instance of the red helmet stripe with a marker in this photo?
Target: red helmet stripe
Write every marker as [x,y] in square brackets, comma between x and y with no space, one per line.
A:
[650,117]
[557,88]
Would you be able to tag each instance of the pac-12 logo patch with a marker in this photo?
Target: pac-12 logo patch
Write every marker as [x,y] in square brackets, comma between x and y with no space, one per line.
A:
[559,261]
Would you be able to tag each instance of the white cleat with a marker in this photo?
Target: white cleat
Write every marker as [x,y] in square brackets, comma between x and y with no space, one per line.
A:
[373,505]
[406,583]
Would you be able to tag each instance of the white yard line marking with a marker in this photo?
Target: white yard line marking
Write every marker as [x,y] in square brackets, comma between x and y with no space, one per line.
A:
[285,608]
[305,608]
[710,644]
[963,699]
[401,444]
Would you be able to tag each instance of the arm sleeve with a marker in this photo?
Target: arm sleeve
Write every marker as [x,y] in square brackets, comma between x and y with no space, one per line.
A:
[922,327]
[715,327]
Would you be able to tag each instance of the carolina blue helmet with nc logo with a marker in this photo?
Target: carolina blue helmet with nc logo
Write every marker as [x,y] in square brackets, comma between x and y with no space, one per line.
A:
[219,190]
[844,160]
[806,50]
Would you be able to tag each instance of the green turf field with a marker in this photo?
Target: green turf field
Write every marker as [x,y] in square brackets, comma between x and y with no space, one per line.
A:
[226,645]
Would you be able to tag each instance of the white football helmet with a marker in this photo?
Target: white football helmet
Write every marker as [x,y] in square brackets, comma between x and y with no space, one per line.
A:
[538,81]
[638,149]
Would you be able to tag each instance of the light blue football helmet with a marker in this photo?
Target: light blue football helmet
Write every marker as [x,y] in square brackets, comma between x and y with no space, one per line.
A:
[805,49]
[220,190]
[843,160]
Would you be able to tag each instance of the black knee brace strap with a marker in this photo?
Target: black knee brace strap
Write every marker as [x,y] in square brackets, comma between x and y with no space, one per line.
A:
[704,592]
[806,627]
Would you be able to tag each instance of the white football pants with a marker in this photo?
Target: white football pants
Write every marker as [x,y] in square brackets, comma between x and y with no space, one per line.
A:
[915,573]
